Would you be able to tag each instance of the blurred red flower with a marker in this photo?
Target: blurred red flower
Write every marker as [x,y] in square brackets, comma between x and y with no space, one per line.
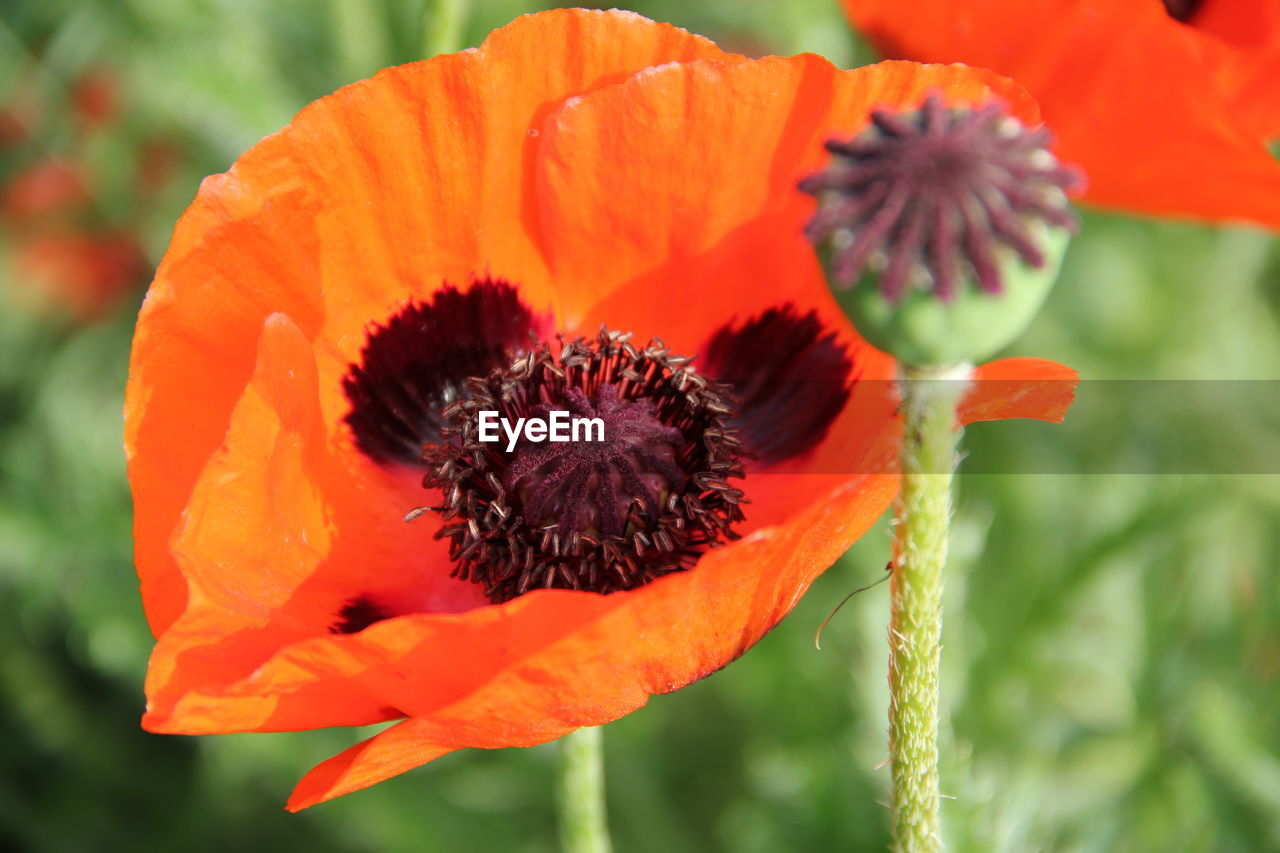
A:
[83,273]
[45,190]
[96,97]
[65,251]
[304,331]
[1167,106]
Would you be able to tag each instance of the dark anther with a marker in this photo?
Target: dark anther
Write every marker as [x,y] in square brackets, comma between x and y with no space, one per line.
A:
[602,515]
[789,376]
[925,197]
[357,614]
[418,362]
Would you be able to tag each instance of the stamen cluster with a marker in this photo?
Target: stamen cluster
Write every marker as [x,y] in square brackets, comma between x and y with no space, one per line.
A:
[926,197]
[602,516]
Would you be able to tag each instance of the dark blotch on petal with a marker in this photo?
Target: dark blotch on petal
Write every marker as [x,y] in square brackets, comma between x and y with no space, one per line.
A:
[790,376]
[419,361]
[1182,10]
[357,614]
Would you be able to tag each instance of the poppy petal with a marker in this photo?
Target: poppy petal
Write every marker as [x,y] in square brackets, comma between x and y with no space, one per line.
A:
[388,753]
[256,269]
[1090,66]
[277,539]
[1020,388]
[789,375]
[421,359]
[1246,59]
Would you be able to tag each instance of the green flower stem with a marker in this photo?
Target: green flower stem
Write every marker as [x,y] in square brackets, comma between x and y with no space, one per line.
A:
[583,825]
[929,400]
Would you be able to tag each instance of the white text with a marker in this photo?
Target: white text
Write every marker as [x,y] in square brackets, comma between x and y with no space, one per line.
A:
[557,426]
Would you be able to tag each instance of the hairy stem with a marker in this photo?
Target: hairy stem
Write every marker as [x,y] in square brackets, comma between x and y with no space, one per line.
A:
[929,400]
[583,825]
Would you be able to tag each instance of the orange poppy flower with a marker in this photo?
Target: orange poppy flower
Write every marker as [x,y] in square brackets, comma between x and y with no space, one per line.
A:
[323,300]
[1168,108]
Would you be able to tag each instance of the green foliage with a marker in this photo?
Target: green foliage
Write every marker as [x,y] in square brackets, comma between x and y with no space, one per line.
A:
[1112,640]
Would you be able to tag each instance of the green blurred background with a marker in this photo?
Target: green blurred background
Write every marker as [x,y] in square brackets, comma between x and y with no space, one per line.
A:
[1112,640]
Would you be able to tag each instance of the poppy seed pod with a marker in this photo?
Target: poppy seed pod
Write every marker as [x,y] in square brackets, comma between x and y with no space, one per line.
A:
[942,229]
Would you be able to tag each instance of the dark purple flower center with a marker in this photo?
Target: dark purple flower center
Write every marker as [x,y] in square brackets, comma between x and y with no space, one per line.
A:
[357,614]
[588,486]
[789,375]
[641,493]
[609,511]
[926,197]
[418,362]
